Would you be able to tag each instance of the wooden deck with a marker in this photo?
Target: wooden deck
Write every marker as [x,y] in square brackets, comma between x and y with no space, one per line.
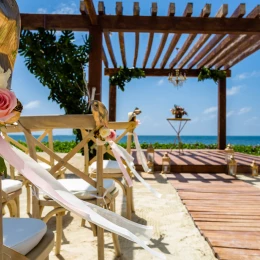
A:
[203,161]
[225,210]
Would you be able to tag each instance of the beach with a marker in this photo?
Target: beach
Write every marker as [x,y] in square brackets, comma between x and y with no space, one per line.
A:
[174,232]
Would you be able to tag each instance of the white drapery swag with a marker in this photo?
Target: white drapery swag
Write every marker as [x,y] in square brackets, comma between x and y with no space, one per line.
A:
[119,151]
[106,219]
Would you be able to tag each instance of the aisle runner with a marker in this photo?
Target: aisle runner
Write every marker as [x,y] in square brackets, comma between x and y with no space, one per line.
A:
[225,210]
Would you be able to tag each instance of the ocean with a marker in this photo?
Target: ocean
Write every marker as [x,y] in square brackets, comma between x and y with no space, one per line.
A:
[243,140]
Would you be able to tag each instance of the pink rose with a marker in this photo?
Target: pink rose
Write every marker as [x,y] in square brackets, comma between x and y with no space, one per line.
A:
[8,102]
[138,122]
[112,136]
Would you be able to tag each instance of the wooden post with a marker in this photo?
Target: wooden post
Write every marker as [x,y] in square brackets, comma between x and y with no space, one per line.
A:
[95,61]
[112,103]
[222,84]
[100,231]
[35,190]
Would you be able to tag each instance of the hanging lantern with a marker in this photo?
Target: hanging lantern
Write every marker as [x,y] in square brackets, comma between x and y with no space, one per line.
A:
[254,168]
[229,152]
[150,166]
[232,166]
[150,153]
[166,163]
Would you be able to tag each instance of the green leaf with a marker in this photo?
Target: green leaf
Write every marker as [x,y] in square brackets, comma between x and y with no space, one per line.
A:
[3,169]
[216,75]
[125,75]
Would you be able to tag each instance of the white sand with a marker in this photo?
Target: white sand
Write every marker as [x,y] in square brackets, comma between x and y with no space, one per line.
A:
[174,232]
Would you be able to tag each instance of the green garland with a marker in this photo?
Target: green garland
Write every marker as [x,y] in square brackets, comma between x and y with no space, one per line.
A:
[125,75]
[216,75]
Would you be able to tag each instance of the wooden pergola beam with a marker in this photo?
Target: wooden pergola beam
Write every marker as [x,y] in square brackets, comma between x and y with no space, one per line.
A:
[222,12]
[119,13]
[101,11]
[158,24]
[243,55]
[162,72]
[187,13]
[136,12]
[104,57]
[204,13]
[210,58]
[171,12]
[154,10]
[231,42]
[237,52]
[239,12]
[91,13]
[110,48]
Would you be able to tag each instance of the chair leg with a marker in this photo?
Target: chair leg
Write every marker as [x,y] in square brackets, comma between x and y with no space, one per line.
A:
[114,236]
[128,203]
[83,222]
[58,232]
[17,202]
[28,195]
[12,208]
[132,199]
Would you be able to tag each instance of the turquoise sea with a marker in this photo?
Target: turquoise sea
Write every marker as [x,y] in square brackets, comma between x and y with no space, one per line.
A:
[245,140]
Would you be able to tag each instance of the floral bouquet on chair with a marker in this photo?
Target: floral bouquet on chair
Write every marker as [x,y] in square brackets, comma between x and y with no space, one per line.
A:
[10,107]
[178,111]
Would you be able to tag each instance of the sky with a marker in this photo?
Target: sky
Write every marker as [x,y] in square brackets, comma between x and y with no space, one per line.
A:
[155,96]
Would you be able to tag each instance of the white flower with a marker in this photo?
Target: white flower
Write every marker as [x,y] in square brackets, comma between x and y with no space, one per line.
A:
[4,77]
[104,132]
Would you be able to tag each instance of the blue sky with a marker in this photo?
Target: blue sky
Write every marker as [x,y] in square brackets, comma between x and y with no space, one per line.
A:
[155,96]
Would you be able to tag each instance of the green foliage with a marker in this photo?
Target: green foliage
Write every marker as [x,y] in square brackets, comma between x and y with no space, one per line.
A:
[3,169]
[125,75]
[58,65]
[216,75]
[67,146]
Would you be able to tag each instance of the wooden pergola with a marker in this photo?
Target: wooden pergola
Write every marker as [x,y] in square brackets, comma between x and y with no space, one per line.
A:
[222,42]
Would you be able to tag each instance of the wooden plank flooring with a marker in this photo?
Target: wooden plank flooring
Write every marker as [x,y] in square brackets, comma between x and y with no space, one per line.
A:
[203,161]
[225,210]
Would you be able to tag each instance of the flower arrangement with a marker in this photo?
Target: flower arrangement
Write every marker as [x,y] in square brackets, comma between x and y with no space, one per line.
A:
[104,134]
[10,107]
[178,111]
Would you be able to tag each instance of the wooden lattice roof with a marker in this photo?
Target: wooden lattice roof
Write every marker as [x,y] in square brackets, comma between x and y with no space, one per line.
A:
[222,40]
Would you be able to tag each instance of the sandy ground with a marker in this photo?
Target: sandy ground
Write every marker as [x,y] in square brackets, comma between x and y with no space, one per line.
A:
[174,232]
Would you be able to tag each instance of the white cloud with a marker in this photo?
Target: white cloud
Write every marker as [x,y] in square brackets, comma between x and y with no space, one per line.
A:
[195,120]
[210,110]
[230,113]
[32,104]
[244,110]
[42,10]
[66,9]
[160,82]
[247,75]
[233,91]
[209,117]
[252,121]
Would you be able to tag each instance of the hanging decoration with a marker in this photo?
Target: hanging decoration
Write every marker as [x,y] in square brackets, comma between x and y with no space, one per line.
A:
[178,79]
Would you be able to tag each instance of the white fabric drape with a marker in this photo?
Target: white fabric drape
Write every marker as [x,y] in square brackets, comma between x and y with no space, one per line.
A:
[42,179]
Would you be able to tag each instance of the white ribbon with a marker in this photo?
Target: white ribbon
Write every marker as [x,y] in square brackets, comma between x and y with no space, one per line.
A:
[117,153]
[106,219]
[129,161]
[140,154]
